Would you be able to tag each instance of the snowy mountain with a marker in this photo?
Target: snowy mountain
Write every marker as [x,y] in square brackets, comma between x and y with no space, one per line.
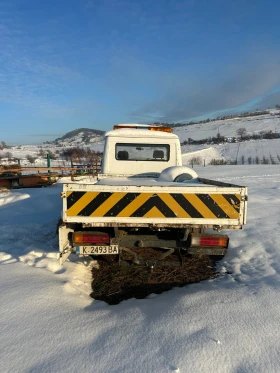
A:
[80,136]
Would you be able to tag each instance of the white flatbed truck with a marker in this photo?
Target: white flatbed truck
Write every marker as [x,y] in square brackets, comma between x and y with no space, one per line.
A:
[145,198]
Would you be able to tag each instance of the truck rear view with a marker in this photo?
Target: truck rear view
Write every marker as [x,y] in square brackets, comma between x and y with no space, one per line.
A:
[144,198]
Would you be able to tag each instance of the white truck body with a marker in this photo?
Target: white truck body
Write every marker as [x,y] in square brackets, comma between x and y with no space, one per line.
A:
[116,167]
[143,186]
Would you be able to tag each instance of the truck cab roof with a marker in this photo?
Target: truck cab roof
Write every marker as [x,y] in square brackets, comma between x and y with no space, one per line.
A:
[142,131]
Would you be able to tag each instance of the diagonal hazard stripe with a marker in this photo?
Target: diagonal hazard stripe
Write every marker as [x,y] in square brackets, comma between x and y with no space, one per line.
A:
[213,206]
[225,206]
[204,211]
[234,200]
[108,204]
[122,204]
[187,206]
[154,213]
[174,205]
[73,197]
[81,203]
[135,204]
[150,205]
[94,204]
[154,201]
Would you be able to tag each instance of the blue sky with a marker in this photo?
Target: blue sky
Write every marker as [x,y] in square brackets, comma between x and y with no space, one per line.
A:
[66,64]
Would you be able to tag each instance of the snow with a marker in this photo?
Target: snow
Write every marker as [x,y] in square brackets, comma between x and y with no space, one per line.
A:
[228,325]
[163,179]
[171,173]
[268,149]
[123,181]
[205,154]
[228,128]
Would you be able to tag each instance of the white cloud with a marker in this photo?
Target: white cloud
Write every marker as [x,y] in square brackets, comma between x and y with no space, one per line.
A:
[182,97]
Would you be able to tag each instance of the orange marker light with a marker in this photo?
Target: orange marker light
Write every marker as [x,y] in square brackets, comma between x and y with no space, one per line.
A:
[162,129]
[117,127]
[143,127]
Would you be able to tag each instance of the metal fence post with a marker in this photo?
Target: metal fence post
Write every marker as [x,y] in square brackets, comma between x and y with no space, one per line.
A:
[48,165]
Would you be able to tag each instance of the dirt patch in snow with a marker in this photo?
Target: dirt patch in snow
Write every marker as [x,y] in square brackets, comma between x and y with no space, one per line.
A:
[114,282]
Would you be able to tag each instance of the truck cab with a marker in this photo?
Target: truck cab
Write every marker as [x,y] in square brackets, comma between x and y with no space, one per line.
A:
[140,151]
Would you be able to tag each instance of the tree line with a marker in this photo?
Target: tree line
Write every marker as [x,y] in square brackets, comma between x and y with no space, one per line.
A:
[241,135]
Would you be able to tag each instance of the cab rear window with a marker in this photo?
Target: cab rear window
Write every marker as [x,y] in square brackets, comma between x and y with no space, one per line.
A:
[143,152]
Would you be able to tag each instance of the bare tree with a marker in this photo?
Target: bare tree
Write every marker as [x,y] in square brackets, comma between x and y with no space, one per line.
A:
[42,153]
[3,145]
[8,155]
[241,132]
[196,161]
[52,155]
[30,158]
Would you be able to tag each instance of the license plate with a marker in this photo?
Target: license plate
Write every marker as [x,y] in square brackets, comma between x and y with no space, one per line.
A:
[97,250]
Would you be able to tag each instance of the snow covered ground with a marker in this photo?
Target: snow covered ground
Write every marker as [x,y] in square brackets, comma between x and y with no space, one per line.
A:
[268,149]
[229,325]
[228,127]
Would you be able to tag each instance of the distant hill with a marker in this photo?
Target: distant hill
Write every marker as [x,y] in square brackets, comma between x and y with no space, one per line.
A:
[81,136]
[247,114]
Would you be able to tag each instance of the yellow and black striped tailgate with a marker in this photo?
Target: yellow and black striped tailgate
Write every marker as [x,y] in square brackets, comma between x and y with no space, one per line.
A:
[153,205]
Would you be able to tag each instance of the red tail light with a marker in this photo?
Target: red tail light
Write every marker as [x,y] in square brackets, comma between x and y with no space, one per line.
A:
[210,240]
[96,238]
